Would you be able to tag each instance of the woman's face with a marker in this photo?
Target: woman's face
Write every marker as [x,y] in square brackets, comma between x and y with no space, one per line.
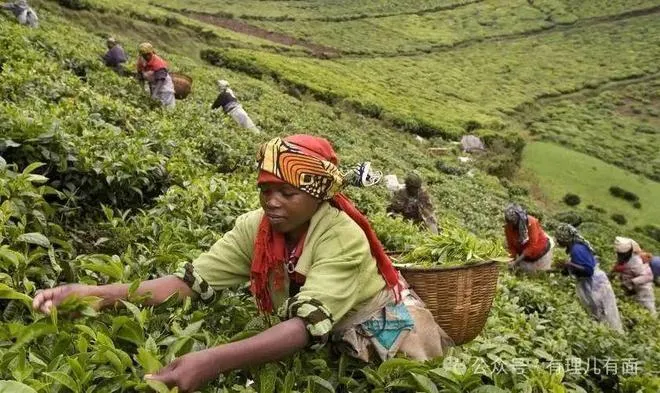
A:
[286,207]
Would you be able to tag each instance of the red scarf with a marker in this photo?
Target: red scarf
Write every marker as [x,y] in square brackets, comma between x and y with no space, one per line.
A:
[155,63]
[270,254]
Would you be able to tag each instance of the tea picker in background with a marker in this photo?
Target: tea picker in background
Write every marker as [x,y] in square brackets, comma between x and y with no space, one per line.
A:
[414,203]
[528,245]
[636,276]
[654,262]
[230,105]
[153,69]
[115,57]
[593,288]
[23,12]
[307,252]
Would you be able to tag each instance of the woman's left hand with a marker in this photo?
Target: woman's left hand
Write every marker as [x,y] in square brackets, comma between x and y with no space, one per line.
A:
[188,372]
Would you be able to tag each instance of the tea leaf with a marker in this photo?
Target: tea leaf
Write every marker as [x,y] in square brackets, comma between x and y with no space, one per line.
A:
[15,387]
[64,380]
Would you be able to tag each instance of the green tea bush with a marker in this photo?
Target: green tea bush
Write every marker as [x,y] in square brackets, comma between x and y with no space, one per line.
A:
[652,231]
[396,234]
[647,129]
[107,138]
[596,209]
[450,169]
[75,4]
[569,217]
[503,154]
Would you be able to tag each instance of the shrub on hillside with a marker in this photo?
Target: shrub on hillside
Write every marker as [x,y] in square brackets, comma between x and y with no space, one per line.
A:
[637,205]
[619,219]
[513,189]
[503,155]
[395,233]
[221,59]
[646,129]
[596,209]
[571,199]
[449,169]
[619,192]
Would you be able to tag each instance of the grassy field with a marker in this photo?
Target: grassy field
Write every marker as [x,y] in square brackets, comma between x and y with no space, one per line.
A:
[557,171]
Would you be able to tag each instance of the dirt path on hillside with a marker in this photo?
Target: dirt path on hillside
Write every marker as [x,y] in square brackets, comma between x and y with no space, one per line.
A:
[239,26]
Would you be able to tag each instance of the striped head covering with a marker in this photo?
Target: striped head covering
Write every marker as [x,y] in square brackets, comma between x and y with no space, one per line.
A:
[222,84]
[568,234]
[517,216]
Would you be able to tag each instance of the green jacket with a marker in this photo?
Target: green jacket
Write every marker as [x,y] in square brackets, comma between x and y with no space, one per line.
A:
[336,260]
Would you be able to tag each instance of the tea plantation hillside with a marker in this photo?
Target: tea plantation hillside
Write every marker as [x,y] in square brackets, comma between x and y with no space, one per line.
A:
[100,185]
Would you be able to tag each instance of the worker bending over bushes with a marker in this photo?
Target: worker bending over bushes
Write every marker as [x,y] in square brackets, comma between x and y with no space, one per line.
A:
[414,203]
[635,275]
[229,103]
[153,69]
[593,288]
[307,252]
[528,244]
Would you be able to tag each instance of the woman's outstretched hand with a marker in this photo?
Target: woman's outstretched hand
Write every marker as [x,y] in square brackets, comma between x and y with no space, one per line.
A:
[189,372]
[49,298]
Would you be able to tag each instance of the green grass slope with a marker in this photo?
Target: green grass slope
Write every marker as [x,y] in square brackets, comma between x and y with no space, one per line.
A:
[558,171]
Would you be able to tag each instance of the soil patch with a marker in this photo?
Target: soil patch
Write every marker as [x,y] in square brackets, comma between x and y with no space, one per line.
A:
[239,26]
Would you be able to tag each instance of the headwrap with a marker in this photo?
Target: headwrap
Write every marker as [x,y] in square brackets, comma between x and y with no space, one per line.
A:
[567,234]
[646,257]
[222,84]
[413,180]
[111,40]
[516,215]
[625,244]
[309,163]
[145,48]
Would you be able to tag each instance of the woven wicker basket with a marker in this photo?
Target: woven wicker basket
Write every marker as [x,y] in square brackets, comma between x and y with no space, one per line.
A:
[459,297]
[182,85]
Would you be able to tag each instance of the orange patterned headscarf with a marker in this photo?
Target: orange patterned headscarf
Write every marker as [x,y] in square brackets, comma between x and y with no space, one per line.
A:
[310,164]
[311,171]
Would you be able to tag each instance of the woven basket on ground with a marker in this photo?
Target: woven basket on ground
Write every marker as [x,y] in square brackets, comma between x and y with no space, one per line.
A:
[182,85]
[459,297]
